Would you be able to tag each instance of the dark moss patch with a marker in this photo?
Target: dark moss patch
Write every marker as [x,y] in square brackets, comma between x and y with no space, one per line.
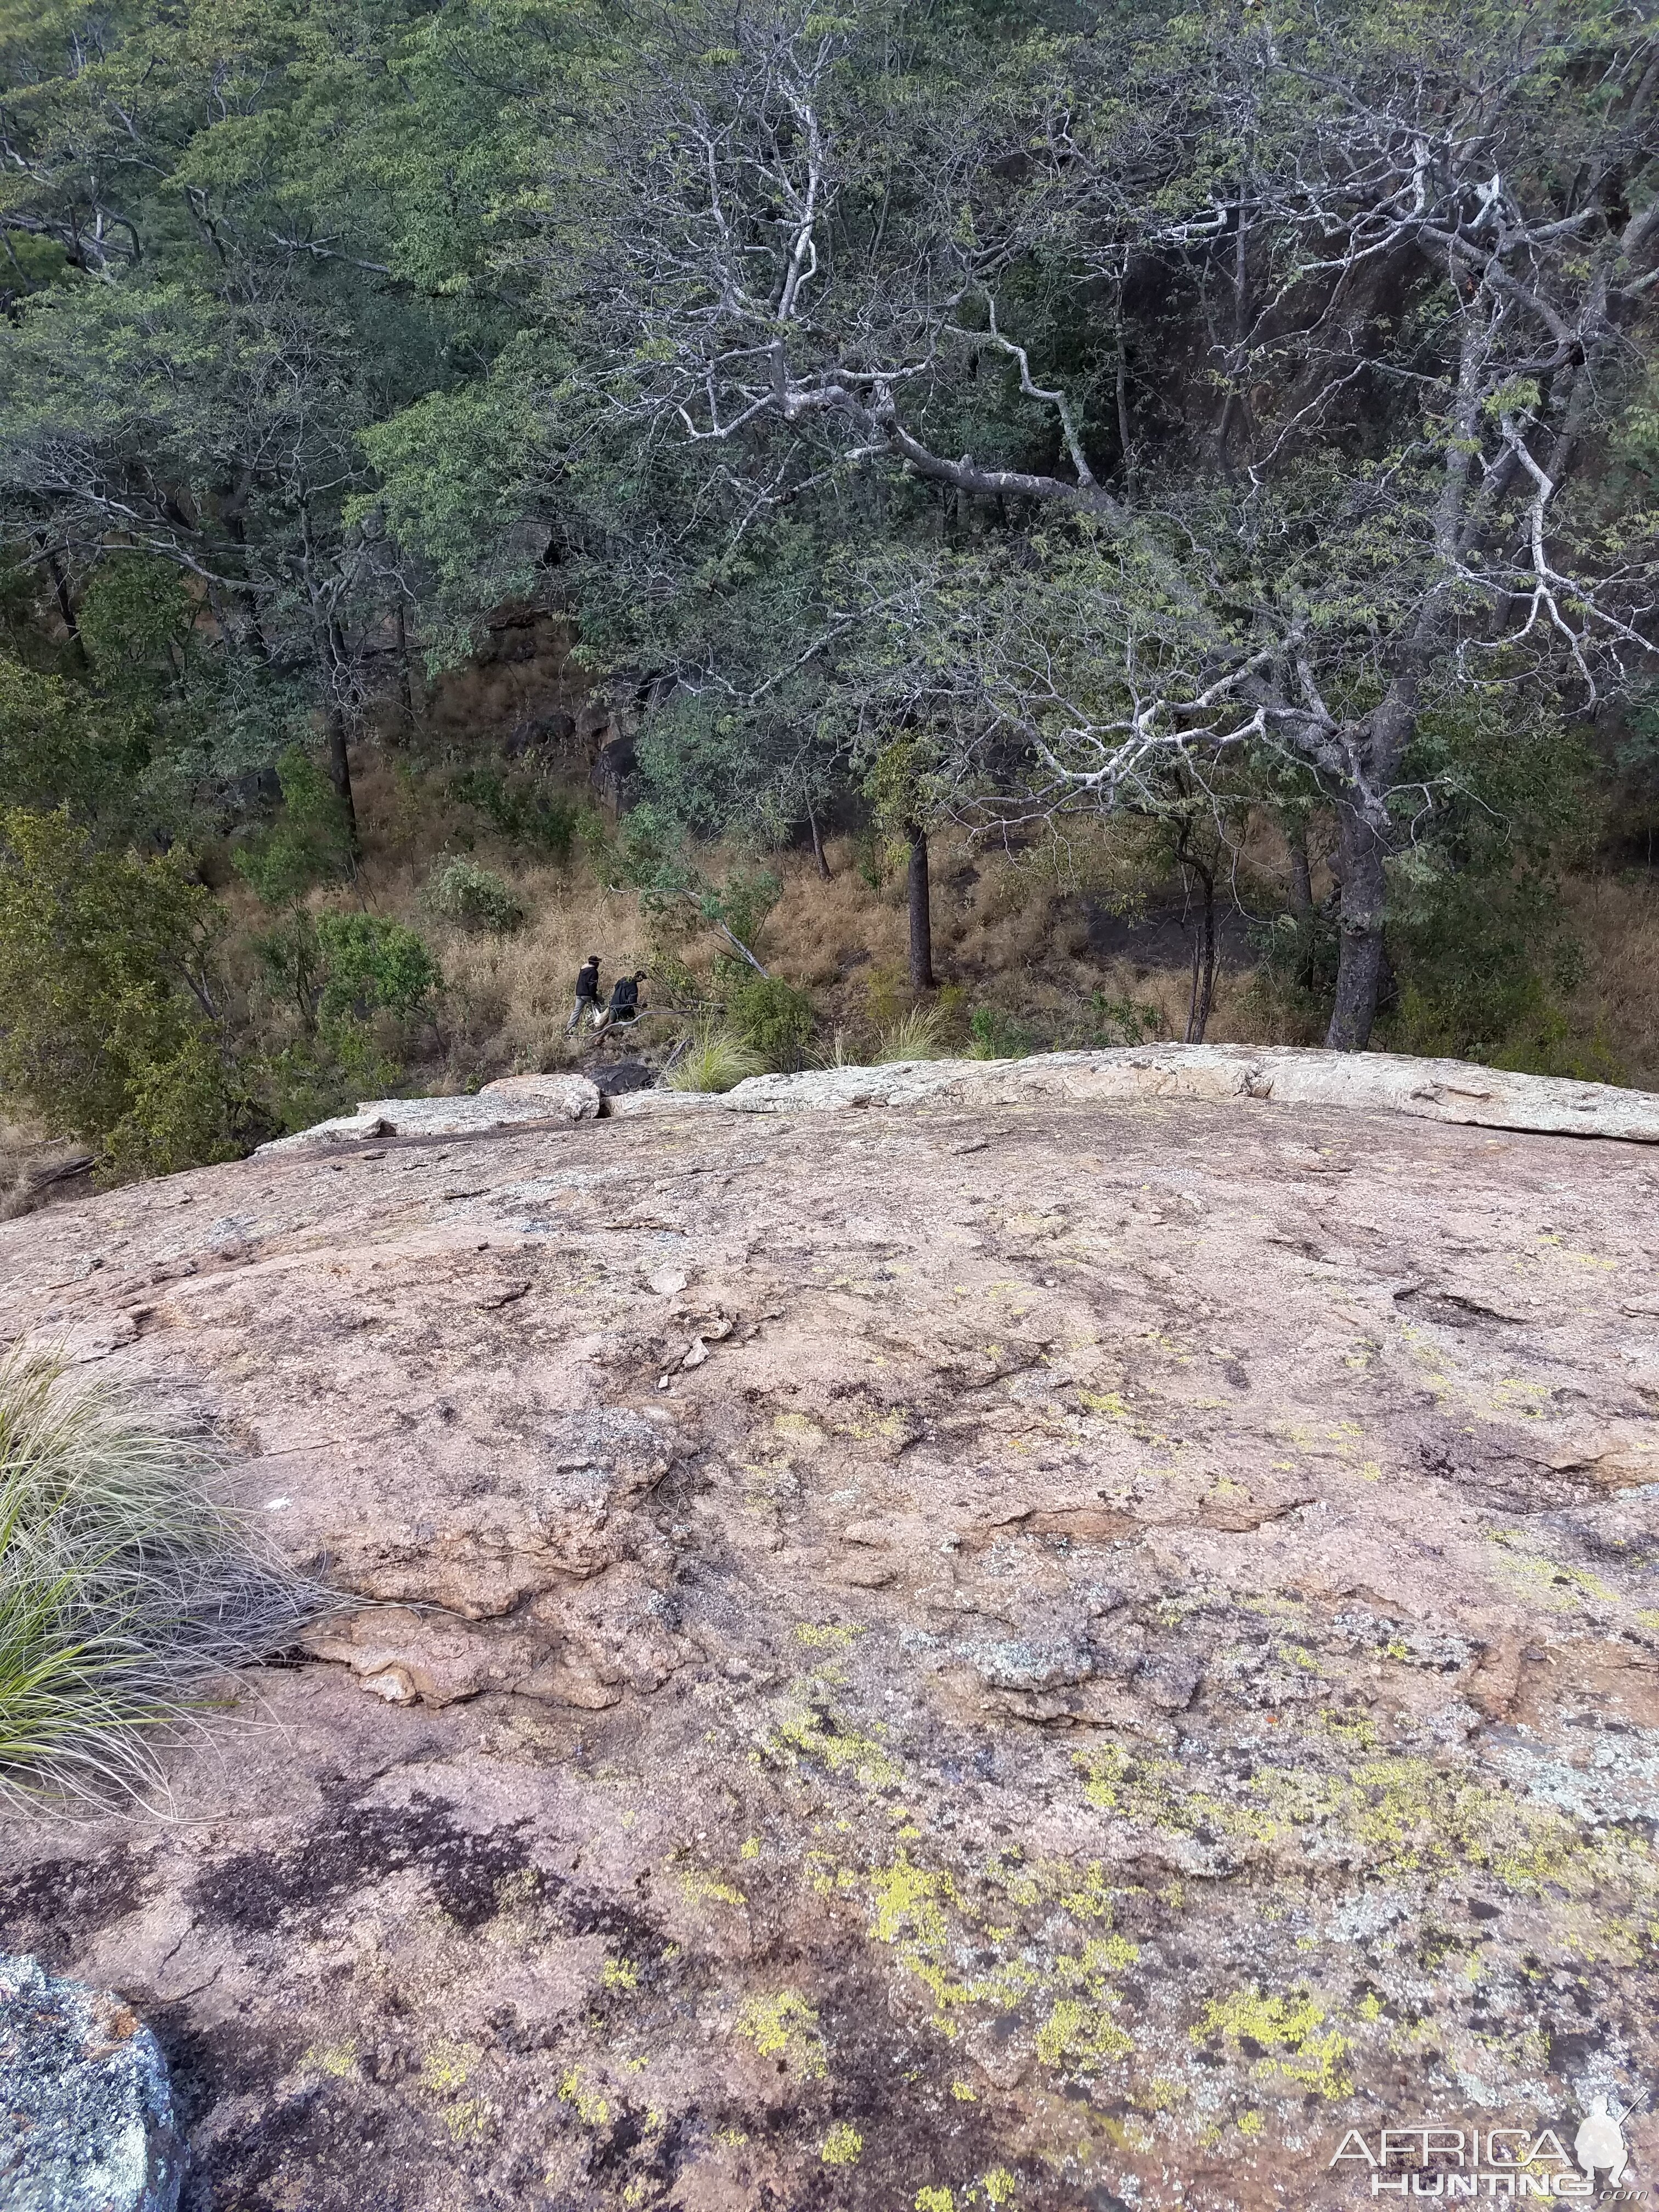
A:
[259,1892]
[356,2153]
[50,1909]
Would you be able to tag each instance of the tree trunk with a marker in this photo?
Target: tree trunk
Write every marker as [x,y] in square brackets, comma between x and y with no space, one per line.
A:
[921,920]
[339,771]
[1301,899]
[1296,836]
[818,842]
[1203,990]
[1359,921]
[405,693]
[65,604]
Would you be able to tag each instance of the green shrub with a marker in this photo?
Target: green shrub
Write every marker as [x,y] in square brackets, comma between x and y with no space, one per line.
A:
[1123,1021]
[310,842]
[56,749]
[338,974]
[714,1060]
[372,965]
[994,1035]
[773,1019]
[1482,957]
[127,1587]
[521,809]
[136,618]
[474,897]
[325,1072]
[111,1027]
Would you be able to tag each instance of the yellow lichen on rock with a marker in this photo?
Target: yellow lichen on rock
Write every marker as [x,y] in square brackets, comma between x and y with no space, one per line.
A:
[784,2025]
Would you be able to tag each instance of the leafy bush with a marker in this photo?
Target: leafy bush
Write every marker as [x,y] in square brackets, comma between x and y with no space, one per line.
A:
[310,842]
[110,1021]
[54,748]
[336,974]
[136,618]
[372,965]
[521,809]
[995,1035]
[714,1060]
[1123,1021]
[1481,960]
[474,897]
[918,1035]
[772,1017]
[324,1072]
[126,1586]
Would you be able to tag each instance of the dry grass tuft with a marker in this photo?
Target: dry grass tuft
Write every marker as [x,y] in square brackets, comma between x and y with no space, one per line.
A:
[918,1034]
[713,1060]
[127,1587]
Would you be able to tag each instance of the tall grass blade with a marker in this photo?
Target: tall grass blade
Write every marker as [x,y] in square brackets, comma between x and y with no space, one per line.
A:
[128,1586]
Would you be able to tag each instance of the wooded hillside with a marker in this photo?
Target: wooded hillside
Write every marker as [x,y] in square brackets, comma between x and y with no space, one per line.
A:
[967,479]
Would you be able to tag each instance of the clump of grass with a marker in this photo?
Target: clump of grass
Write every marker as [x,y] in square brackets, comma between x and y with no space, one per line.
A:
[127,1587]
[714,1060]
[842,1051]
[918,1034]
[475,897]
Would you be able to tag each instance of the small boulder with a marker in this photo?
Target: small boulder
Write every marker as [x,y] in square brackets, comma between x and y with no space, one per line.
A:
[623,1078]
[88,2122]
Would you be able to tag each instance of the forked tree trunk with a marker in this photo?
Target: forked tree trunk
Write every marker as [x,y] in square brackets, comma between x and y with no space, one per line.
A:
[921,919]
[1359,921]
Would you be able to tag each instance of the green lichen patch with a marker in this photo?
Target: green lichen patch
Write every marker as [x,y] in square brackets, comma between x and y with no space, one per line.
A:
[784,2025]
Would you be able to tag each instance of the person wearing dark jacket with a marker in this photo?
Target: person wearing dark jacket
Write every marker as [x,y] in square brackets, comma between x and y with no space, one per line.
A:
[625,1007]
[588,997]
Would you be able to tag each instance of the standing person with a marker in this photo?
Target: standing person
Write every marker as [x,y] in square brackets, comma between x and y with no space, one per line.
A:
[588,997]
[624,1008]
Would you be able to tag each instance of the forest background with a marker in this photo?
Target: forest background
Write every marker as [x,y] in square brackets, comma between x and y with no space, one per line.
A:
[940,526]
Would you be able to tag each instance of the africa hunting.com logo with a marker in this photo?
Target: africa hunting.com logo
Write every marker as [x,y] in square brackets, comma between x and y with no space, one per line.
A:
[1465,2164]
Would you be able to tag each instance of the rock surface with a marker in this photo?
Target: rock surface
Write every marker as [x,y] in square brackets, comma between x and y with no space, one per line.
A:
[513,1100]
[1428,1090]
[86,2112]
[1037,1651]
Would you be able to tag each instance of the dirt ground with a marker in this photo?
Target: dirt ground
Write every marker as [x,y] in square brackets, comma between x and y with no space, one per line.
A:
[1044,1657]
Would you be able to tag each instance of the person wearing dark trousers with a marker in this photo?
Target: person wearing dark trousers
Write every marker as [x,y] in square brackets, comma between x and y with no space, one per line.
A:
[624,1008]
[588,997]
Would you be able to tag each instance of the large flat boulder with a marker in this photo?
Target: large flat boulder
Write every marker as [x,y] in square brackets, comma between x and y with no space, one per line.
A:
[514,1100]
[1028,1650]
[1427,1090]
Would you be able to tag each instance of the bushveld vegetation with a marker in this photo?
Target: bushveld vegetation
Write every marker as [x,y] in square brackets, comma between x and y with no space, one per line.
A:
[1011,472]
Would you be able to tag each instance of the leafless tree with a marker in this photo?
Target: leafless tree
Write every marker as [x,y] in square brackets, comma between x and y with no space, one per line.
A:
[1417,316]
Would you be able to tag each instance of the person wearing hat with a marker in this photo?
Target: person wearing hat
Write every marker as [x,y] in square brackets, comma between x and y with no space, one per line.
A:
[588,997]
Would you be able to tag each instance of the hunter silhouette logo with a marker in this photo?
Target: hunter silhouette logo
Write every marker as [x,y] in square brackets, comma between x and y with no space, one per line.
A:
[1455,2164]
[1600,2140]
